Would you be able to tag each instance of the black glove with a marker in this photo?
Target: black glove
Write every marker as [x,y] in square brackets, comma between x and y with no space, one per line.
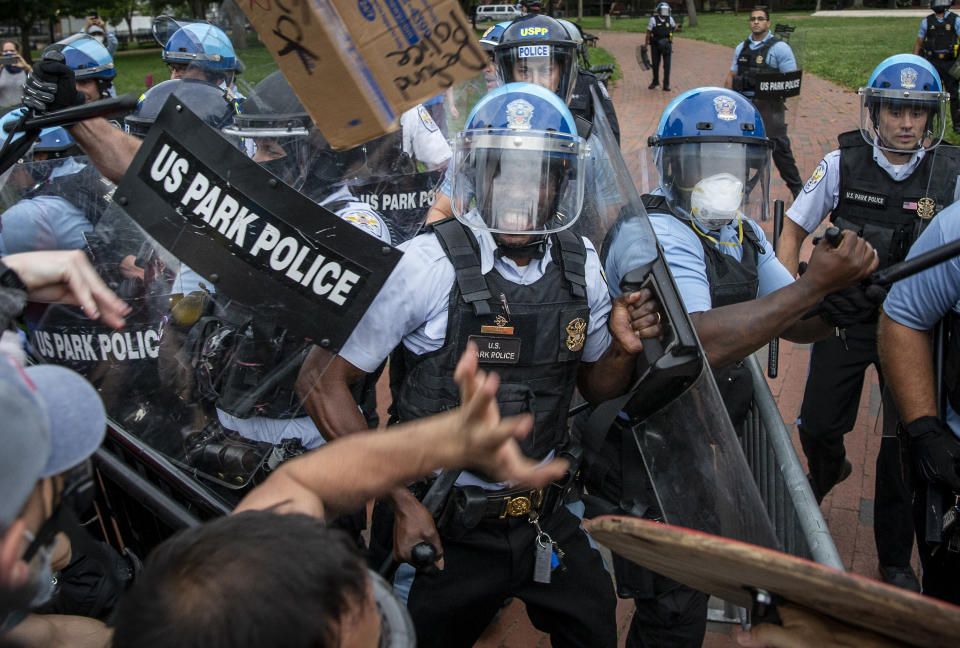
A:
[853,305]
[934,451]
[51,85]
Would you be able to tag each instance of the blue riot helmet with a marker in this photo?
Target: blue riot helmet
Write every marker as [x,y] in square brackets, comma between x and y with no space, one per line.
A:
[54,142]
[713,157]
[210,102]
[200,50]
[903,106]
[491,38]
[91,63]
[662,9]
[518,165]
[538,49]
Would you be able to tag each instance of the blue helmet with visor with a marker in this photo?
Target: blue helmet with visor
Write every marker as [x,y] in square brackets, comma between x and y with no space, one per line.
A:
[712,153]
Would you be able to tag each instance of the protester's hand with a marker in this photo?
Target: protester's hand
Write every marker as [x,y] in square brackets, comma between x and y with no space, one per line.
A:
[483,440]
[934,451]
[834,268]
[67,276]
[52,85]
[413,525]
[634,316]
[804,629]
[852,305]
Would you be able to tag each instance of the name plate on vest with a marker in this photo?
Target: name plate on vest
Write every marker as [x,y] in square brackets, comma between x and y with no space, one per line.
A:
[862,197]
[778,85]
[496,350]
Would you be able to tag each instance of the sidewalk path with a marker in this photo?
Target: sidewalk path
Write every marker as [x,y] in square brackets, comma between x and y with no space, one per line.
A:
[823,111]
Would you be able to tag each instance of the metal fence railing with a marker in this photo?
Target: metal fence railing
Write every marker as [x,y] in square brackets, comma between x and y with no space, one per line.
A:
[786,494]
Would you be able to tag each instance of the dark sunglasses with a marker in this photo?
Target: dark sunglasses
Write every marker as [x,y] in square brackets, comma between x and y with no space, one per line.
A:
[760,19]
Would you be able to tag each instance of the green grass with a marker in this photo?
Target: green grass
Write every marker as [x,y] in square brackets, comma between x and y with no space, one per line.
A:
[133,67]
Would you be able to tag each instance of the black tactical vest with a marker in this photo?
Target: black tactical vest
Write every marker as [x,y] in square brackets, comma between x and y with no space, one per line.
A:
[532,336]
[940,37]
[887,213]
[731,282]
[86,190]
[661,28]
[750,63]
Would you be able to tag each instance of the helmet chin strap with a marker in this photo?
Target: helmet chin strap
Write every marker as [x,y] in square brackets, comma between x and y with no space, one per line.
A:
[535,249]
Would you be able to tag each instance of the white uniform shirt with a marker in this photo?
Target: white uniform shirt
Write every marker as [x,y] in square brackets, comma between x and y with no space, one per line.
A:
[821,193]
[422,138]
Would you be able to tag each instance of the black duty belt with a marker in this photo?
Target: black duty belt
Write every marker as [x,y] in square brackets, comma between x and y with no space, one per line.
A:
[514,503]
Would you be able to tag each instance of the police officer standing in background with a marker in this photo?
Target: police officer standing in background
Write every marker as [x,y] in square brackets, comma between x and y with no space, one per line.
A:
[762,53]
[931,427]
[885,182]
[937,42]
[508,274]
[660,41]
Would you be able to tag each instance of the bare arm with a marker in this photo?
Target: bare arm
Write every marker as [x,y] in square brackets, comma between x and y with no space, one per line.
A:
[907,360]
[110,149]
[471,436]
[788,247]
[647,39]
[918,46]
[323,386]
[60,631]
[440,209]
[730,333]
[728,81]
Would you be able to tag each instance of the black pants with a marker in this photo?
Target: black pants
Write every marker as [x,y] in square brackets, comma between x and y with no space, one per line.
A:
[493,562]
[775,122]
[656,55]
[949,85]
[941,569]
[829,410]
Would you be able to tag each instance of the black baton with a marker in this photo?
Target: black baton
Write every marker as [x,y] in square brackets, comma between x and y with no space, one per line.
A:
[773,351]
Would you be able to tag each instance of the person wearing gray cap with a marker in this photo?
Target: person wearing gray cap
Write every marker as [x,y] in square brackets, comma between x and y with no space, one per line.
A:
[53,421]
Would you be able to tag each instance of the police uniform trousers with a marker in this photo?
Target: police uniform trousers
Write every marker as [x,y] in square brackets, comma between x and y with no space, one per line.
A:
[940,567]
[774,121]
[949,85]
[656,54]
[494,561]
[829,410]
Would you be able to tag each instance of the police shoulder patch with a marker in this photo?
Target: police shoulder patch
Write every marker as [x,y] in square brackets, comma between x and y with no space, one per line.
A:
[816,177]
[367,221]
[427,119]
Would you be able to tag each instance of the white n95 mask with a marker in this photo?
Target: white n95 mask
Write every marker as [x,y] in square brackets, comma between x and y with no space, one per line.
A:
[715,200]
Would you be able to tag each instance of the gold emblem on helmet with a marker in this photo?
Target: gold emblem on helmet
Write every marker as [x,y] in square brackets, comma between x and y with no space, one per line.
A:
[576,334]
[925,208]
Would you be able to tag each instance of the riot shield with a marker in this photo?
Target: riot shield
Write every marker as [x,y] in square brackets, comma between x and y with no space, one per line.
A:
[677,418]
[776,93]
[50,204]
[232,277]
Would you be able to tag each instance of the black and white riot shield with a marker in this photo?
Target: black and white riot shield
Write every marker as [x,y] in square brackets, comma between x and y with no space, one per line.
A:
[232,278]
[776,91]
[677,418]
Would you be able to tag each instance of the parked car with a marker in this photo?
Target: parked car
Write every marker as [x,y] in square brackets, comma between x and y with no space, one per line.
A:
[497,13]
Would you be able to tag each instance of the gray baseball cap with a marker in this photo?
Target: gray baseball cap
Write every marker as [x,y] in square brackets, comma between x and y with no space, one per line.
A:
[53,419]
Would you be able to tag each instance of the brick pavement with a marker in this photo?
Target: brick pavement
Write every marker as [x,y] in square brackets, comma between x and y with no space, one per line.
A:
[822,112]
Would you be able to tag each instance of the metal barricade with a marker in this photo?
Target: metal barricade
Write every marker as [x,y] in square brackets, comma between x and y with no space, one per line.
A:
[784,488]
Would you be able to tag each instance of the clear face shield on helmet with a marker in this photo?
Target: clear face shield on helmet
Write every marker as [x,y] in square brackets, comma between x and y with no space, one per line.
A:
[902,121]
[514,182]
[278,143]
[716,183]
[549,65]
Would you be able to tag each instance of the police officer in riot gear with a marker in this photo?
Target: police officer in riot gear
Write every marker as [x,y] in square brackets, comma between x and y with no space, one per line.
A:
[761,53]
[710,144]
[509,275]
[660,41]
[885,181]
[930,430]
[937,42]
[92,65]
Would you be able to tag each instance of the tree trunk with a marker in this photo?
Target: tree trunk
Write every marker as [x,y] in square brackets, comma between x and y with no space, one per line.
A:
[25,41]
[691,12]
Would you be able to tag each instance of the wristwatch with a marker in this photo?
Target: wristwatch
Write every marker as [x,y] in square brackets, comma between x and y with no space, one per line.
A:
[10,279]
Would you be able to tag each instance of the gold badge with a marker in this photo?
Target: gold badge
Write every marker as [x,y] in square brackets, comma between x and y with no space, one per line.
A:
[500,327]
[925,208]
[759,60]
[576,334]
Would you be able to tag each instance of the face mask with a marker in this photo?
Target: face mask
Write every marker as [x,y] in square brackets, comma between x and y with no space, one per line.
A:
[100,38]
[41,573]
[715,200]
